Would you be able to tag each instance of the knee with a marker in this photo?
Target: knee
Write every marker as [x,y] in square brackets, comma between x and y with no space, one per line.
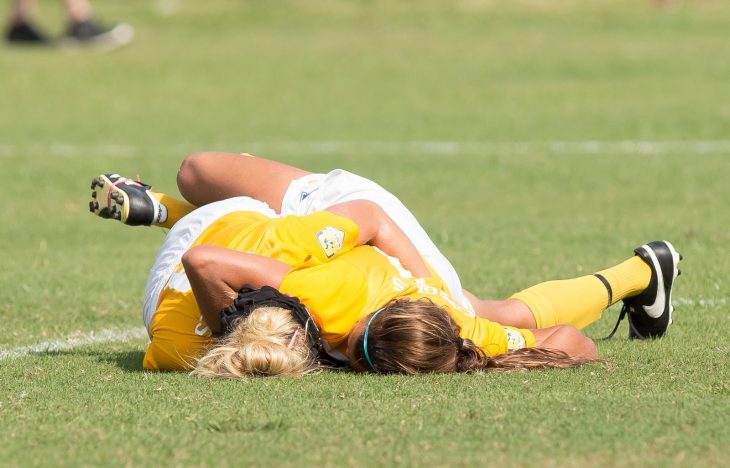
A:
[189,173]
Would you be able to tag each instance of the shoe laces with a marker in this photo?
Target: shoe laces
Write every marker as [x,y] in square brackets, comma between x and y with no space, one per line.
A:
[625,311]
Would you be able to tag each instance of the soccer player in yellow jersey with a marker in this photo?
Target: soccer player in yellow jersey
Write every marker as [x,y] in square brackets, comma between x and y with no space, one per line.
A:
[343,286]
[313,258]
[255,247]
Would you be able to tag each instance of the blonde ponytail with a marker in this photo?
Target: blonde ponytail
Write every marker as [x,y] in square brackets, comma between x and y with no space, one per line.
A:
[269,342]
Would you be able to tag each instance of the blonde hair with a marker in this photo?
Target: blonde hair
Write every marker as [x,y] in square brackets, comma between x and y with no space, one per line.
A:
[269,342]
[418,336]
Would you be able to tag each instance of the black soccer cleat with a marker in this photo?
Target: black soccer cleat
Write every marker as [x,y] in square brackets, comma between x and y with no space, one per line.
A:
[650,313]
[25,33]
[129,201]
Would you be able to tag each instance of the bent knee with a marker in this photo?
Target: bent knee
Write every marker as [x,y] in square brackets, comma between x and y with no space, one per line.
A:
[190,169]
[194,173]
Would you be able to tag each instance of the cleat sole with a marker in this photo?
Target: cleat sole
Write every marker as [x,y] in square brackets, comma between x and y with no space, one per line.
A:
[108,202]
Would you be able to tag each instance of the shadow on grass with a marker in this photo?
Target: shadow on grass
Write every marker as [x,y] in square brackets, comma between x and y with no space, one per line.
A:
[128,361]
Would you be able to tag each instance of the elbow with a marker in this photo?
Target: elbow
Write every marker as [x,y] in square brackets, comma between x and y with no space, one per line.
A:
[575,343]
[196,260]
[582,346]
[372,222]
[588,349]
[382,226]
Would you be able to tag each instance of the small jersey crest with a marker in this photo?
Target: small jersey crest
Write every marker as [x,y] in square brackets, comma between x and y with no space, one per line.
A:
[515,340]
[330,239]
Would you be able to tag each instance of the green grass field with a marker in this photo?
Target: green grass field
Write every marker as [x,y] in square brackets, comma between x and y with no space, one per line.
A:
[534,140]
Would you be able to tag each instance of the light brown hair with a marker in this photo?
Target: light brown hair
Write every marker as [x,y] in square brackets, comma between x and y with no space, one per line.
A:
[418,336]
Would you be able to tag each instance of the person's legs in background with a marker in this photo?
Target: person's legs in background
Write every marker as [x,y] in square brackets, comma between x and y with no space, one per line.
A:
[82,29]
[21,29]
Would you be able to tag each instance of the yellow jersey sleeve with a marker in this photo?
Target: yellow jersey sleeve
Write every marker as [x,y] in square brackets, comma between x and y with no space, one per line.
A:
[322,235]
[492,337]
[295,240]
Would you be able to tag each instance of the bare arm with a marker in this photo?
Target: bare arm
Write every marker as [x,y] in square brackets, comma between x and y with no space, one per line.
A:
[216,274]
[566,338]
[379,230]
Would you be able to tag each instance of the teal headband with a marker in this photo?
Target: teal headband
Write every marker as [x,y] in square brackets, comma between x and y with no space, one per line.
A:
[365,339]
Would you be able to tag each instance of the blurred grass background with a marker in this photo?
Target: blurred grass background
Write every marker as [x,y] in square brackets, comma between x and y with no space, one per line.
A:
[534,140]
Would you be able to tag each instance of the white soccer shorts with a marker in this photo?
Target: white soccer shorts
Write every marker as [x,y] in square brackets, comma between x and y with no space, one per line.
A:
[316,192]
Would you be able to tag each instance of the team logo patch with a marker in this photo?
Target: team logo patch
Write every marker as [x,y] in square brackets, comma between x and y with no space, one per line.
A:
[330,239]
[515,340]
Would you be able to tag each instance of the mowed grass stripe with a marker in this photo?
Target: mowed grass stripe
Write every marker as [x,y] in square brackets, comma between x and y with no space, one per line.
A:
[435,147]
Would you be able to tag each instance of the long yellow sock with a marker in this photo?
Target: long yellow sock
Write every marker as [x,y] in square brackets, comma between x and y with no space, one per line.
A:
[581,301]
[628,278]
[176,208]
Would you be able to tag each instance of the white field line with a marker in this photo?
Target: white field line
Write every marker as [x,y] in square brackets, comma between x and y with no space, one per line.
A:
[701,302]
[100,336]
[442,148]
[115,336]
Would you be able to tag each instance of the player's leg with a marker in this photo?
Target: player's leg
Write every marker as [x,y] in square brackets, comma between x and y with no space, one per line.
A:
[509,312]
[581,301]
[203,178]
[21,28]
[578,301]
[644,282]
[78,10]
[211,176]
[134,203]
[85,30]
[21,11]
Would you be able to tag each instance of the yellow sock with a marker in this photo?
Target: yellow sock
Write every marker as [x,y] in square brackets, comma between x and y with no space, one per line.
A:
[581,301]
[176,209]
[628,278]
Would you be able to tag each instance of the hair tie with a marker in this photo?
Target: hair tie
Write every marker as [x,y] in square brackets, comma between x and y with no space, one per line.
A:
[365,339]
[293,337]
[459,343]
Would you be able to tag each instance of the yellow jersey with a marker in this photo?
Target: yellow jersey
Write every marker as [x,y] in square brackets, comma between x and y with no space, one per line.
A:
[338,282]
